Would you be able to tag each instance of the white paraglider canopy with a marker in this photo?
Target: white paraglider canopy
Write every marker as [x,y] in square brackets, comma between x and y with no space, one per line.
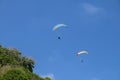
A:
[81,52]
[58,26]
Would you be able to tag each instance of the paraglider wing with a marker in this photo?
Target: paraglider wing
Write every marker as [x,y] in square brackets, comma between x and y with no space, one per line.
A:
[58,26]
[81,52]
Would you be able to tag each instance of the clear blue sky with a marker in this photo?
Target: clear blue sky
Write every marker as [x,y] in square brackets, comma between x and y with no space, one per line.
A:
[93,25]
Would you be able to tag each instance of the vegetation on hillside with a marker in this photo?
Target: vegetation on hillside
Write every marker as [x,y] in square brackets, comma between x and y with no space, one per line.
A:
[14,66]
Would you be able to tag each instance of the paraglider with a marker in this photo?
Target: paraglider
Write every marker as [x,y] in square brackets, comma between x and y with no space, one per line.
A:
[56,27]
[81,52]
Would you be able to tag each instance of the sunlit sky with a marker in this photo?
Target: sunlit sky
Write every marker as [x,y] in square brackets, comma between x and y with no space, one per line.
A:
[93,25]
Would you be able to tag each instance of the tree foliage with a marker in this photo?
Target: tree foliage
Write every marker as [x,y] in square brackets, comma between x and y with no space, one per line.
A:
[14,66]
[16,74]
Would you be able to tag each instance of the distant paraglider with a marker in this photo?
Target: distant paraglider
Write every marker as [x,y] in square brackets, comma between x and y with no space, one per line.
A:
[57,27]
[81,52]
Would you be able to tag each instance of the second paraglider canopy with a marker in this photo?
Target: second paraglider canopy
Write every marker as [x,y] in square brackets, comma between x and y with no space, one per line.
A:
[81,52]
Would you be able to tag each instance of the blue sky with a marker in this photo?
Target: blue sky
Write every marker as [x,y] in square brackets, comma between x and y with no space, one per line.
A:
[93,25]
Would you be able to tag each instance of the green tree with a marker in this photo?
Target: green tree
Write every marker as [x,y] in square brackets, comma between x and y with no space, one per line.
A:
[16,74]
[28,63]
[14,66]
